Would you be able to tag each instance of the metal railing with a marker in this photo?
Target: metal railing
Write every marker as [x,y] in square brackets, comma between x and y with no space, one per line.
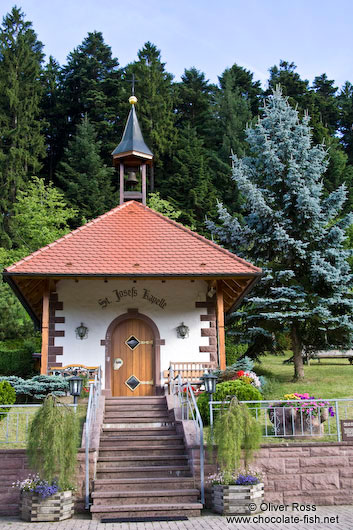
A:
[94,393]
[185,398]
[15,421]
[296,418]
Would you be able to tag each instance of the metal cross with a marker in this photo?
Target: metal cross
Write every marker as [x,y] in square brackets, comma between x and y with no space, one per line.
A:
[132,81]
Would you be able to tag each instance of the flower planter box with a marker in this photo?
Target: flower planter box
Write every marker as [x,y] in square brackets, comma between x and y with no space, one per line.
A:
[231,499]
[58,507]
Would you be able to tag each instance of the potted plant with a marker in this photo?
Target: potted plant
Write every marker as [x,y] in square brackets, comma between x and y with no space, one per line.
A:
[52,452]
[301,415]
[236,435]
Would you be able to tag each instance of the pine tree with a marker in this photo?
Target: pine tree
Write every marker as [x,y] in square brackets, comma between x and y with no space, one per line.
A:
[189,186]
[21,140]
[345,101]
[194,101]
[295,234]
[155,101]
[85,179]
[55,119]
[91,85]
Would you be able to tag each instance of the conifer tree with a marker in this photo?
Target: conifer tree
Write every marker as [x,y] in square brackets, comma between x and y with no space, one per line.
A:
[85,179]
[155,101]
[91,85]
[21,140]
[189,186]
[295,234]
[345,101]
[194,101]
[55,119]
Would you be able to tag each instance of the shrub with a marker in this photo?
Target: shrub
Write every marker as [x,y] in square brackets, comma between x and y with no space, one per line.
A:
[53,443]
[38,387]
[228,389]
[236,434]
[7,397]
[16,357]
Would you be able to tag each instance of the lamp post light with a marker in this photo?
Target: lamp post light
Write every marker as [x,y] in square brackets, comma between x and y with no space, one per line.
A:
[75,387]
[210,382]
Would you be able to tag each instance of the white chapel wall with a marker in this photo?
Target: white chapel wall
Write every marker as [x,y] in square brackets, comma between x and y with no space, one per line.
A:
[97,304]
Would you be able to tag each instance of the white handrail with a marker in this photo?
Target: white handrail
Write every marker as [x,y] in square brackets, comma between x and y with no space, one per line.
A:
[94,393]
[188,404]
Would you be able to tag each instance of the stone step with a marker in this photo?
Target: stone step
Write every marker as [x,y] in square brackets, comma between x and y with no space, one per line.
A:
[136,423]
[175,496]
[143,484]
[137,460]
[145,510]
[149,407]
[143,430]
[152,441]
[143,400]
[143,471]
[136,414]
[143,450]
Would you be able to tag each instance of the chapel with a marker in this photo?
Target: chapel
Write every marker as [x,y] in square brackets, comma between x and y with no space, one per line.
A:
[131,291]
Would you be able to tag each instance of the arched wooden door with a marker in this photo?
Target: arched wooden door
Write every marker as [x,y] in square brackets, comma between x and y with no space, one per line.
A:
[132,359]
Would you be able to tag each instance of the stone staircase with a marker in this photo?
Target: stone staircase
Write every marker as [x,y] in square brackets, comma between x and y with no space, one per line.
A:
[142,469]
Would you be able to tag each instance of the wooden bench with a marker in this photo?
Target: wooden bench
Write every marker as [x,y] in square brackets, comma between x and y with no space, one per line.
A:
[189,372]
[74,369]
[329,354]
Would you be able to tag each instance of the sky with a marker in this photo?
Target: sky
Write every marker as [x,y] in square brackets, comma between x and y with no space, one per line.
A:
[208,34]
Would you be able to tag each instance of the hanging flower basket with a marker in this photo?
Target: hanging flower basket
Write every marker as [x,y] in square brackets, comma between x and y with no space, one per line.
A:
[57,507]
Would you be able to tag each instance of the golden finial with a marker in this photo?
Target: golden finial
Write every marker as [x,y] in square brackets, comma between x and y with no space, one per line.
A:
[132,100]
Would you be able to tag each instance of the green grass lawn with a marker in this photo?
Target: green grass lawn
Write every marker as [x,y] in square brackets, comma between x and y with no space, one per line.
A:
[331,378]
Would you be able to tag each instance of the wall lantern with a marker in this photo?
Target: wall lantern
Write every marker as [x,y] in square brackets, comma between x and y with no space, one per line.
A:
[75,387]
[182,331]
[81,332]
[210,382]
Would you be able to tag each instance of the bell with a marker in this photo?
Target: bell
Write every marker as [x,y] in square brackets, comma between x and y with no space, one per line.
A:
[131,178]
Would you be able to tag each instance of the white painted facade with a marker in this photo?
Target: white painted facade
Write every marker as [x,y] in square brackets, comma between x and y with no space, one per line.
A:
[97,303]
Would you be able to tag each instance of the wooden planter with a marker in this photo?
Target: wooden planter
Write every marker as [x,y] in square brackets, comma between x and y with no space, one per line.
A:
[55,508]
[232,500]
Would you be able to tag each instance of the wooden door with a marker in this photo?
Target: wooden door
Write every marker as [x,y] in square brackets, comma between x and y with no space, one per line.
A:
[132,359]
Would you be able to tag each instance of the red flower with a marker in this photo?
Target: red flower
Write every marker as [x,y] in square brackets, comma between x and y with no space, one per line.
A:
[240,373]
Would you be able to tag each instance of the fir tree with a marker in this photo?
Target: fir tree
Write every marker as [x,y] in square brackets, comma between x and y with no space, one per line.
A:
[85,179]
[55,119]
[345,101]
[189,187]
[194,102]
[155,101]
[91,85]
[295,234]
[21,140]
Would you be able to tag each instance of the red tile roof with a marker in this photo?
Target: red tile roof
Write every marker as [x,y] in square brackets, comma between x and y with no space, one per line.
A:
[133,240]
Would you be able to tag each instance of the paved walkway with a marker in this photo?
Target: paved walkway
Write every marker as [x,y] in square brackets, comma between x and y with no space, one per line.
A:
[324,518]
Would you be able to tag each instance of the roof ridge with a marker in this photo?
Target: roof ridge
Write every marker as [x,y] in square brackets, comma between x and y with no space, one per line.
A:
[198,236]
[68,235]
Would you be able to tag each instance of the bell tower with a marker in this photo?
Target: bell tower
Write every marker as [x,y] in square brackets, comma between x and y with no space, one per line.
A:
[133,158]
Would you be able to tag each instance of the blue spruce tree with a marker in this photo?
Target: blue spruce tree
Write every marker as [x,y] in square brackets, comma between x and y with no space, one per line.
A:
[295,234]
